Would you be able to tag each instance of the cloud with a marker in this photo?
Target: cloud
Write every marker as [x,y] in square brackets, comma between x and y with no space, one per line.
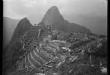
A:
[29,3]
[79,11]
[32,8]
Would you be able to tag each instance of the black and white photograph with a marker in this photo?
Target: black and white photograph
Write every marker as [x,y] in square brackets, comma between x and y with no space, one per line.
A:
[55,37]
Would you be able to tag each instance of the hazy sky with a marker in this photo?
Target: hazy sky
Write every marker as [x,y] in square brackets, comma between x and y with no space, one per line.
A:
[90,13]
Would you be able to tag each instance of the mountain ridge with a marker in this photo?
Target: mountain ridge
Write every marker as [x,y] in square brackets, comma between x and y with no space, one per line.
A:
[9,26]
[23,26]
[54,17]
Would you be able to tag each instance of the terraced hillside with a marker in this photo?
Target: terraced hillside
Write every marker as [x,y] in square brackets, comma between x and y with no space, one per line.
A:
[73,54]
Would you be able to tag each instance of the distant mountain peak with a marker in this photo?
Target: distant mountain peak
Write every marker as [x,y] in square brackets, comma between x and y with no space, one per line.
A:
[24,22]
[23,26]
[25,19]
[54,17]
[54,8]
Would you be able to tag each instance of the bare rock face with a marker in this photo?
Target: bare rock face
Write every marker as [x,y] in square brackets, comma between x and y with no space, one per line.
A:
[53,17]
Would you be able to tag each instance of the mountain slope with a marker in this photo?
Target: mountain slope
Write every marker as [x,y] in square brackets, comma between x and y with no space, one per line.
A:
[13,49]
[23,26]
[53,17]
[9,26]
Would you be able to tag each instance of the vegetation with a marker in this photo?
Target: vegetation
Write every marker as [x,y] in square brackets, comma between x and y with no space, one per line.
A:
[84,51]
